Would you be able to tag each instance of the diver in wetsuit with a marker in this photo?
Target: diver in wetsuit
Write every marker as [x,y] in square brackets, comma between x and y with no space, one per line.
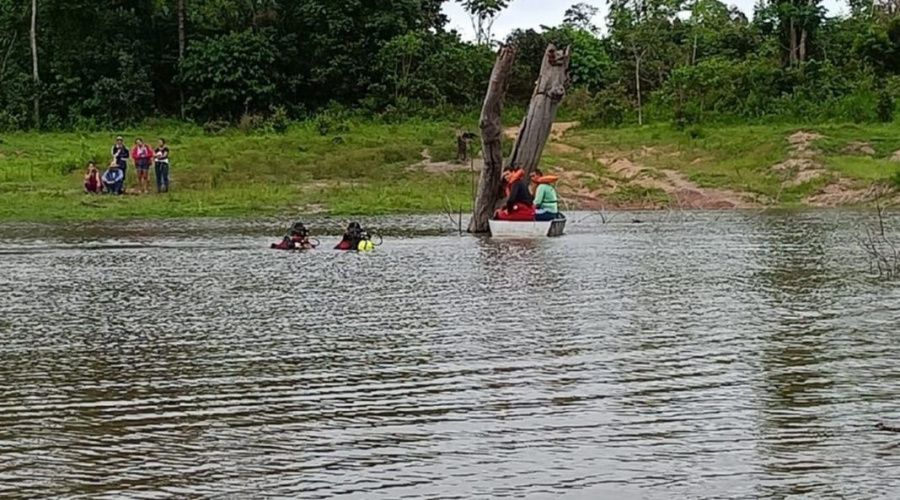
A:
[352,236]
[297,240]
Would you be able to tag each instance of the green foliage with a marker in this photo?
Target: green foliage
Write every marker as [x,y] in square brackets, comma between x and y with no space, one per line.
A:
[231,75]
[423,70]
[261,64]
[895,180]
[885,109]
[609,107]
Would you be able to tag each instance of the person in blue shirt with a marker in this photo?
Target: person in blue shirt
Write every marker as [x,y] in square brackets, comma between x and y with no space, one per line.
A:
[120,156]
[113,178]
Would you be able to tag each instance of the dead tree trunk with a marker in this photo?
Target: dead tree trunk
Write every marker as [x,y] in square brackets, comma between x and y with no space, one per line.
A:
[491,136]
[538,123]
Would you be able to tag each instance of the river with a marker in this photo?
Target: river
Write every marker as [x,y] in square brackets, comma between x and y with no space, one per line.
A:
[693,355]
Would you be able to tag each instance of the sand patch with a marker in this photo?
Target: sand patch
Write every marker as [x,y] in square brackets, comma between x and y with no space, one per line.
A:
[805,176]
[845,192]
[895,156]
[796,165]
[801,166]
[804,138]
[443,167]
[557,131]
[859,148]
[559,147]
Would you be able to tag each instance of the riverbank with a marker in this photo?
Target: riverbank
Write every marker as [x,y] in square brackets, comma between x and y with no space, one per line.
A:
[370,169]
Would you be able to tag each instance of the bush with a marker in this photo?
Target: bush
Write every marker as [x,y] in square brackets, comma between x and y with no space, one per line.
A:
[328,122]
[215,127]
[8,122]
[609,107]
[885,109]
[231,75]
[278,121]
[250,123]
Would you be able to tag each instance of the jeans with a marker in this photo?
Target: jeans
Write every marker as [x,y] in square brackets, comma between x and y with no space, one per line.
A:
[544,215]
[114,188]
[162,177]
[124,166]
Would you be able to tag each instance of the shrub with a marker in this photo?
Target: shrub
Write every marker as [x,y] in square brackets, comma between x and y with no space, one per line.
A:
[885,107]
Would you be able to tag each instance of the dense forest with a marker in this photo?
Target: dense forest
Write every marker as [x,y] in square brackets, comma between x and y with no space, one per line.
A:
[92,64]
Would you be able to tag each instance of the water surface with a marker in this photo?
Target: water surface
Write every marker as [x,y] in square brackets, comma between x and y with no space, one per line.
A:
[694,355]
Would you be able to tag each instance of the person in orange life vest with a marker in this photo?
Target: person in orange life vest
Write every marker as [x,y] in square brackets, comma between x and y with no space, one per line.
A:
[142,154]
[519,203]
[92,182]
[546,200]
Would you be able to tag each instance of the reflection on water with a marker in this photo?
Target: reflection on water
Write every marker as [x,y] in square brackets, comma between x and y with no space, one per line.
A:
[704,356]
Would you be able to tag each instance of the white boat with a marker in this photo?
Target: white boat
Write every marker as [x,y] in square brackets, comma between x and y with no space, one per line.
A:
[527,229]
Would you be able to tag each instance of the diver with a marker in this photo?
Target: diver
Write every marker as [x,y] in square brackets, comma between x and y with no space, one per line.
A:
[352,236]
[356,238]
[298,239]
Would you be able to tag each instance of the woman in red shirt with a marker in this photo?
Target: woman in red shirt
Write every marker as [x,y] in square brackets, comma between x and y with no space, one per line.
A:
[143,155]
[92,183]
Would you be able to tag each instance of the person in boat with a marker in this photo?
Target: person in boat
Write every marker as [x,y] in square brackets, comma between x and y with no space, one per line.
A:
[519,204]
[113,179]
[298,239]
[352,237]
[546,200]
[92,182]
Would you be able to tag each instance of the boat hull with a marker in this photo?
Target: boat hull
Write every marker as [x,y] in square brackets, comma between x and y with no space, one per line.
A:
[527,229]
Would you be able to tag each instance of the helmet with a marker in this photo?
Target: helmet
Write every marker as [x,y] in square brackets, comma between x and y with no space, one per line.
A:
[299,229]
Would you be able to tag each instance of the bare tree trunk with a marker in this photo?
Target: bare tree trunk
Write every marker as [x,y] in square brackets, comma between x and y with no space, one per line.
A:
[793,34]
[803,36]
[181,47]
[34,65]
[637,85]
[491,137]
[802,48]
[694,53]
[538,123]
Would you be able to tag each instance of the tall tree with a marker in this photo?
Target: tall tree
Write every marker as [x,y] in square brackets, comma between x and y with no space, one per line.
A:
[34,65]
[181,46]
[483,14]
[636,27]
[582,16]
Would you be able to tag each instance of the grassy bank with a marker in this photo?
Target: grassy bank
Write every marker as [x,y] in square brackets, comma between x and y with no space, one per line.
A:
[359,168]
[367,168]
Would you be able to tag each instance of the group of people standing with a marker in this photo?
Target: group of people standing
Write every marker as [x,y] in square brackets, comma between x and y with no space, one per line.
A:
[112,181]
[541,202]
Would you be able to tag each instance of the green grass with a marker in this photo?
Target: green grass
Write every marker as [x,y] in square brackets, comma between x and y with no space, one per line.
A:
[863,168]
[366,169]
[741,158]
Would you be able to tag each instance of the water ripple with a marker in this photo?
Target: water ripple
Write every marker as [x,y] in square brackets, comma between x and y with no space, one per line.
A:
[703,356]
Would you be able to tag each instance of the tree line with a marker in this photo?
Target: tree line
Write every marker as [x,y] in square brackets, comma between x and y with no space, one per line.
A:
[89,64]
